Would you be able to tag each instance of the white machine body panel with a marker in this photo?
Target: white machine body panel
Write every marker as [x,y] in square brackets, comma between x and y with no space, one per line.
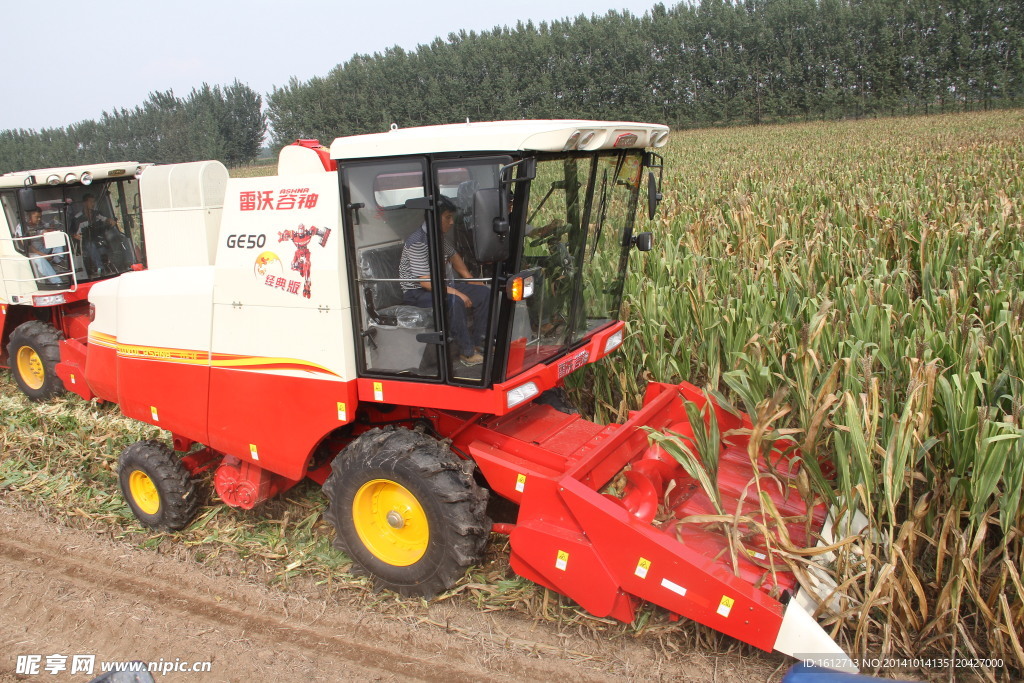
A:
[181,205]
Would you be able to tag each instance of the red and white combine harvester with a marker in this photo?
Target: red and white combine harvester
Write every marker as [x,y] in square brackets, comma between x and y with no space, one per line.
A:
[322,339]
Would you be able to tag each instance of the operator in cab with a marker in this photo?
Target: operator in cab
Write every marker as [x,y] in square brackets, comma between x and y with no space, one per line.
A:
[55,257]
[466,300]
[99,237]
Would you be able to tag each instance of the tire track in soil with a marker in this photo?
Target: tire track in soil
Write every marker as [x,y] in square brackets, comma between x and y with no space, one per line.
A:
[79,591]
[319,643]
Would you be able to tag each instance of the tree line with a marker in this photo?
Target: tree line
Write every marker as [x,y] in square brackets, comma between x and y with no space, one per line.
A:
[695,64]
[213,122]
[713,62]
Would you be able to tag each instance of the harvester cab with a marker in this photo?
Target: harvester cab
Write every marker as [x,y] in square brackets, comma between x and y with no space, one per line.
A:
[544,237]
[394,317]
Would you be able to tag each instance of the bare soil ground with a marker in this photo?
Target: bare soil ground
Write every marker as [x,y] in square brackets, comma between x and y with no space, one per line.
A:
[70,590]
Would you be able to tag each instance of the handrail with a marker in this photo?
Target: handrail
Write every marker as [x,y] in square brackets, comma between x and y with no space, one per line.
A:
[43,279]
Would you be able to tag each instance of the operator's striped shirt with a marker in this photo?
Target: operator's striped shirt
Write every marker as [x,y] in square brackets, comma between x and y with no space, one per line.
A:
[415,262]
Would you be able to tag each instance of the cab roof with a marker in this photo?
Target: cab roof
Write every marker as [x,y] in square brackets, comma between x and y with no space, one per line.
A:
[502,136]
[40,176]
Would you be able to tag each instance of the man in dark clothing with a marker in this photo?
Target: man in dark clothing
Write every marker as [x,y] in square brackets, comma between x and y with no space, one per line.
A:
[91,229]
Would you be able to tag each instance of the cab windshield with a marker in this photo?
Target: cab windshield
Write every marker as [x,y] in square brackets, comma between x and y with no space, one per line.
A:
[101,226]
[578,228]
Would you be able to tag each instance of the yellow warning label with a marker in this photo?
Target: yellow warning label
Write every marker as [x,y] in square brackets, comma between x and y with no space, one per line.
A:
[562,561]
[641,567]
[342,414]
[378,391]
[253,452]
[521,483]
[725,606]
[72,379]
[152,411]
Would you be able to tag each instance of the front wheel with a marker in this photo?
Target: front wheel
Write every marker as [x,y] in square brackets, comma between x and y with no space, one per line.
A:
[407,511]
[158,488]
[34,352]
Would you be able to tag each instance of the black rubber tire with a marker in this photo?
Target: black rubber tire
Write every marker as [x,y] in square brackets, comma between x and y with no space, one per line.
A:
[44,340]
[454,505]
[178,496]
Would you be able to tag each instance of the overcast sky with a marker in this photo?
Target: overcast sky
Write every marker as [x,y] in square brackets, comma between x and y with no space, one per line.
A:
[70,61]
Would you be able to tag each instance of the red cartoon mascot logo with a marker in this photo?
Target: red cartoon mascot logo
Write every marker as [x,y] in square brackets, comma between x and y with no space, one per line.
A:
[301,237]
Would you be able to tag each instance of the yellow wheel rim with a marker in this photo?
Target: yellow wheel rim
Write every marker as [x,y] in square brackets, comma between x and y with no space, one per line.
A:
[144,492]
[390,522]
[30,367]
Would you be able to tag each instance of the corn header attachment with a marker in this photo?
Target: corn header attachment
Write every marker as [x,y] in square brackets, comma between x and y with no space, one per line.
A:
[702,551]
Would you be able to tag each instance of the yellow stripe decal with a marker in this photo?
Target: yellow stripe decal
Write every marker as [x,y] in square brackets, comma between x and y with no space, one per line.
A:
[193,357]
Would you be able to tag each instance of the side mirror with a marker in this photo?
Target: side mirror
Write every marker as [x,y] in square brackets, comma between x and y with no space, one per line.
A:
[26,198]
[490,226]
[653,196]
[644,241]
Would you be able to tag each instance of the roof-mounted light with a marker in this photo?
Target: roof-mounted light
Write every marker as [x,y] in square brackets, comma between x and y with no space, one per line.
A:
[70,178]
[53,179]
[659,139]
[86,178]
[586,139]
[571,142]
[139,170]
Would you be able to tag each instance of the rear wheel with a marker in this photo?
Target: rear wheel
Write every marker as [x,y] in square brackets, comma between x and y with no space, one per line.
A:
[158,488]
[34,352]
[407,511]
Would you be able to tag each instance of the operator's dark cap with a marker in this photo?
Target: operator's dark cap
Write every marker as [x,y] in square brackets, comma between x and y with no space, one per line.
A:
[33,209]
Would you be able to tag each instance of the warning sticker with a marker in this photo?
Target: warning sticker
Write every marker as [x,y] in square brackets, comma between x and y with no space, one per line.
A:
[378,391]
[252,451]
[641,567]
[152,411]
[521,483]
[342,414]
[562,561]
[725,606]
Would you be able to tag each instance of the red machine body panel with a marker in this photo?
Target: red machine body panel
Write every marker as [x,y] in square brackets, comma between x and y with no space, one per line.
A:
[273,420]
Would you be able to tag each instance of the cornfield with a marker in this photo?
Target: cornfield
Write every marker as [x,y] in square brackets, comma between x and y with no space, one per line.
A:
[855,286]
[858,286]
